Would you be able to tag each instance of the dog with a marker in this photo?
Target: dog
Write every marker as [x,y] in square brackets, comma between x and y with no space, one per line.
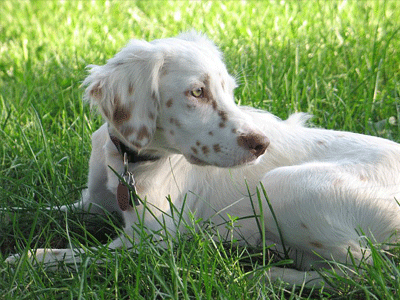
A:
[173,130]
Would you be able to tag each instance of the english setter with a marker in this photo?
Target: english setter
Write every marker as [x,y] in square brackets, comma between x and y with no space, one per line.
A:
[173,129]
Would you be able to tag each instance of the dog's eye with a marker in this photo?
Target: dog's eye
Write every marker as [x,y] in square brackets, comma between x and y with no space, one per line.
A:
[198,93]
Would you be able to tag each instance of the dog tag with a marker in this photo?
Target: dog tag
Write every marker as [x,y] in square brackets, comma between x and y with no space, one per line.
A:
[126,190]
[123,196]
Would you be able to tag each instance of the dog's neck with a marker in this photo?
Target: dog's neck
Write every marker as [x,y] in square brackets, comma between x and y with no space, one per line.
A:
[132,155]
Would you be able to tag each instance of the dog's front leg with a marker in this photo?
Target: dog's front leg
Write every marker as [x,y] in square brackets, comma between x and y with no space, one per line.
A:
[100,196]
[50,258]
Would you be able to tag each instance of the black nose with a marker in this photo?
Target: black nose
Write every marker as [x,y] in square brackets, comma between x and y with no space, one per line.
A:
[254,142]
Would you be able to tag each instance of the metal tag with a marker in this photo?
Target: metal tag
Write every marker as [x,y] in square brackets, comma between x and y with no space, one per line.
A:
[126,190]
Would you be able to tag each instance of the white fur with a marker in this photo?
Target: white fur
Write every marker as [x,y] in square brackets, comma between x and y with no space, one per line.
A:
[329,190]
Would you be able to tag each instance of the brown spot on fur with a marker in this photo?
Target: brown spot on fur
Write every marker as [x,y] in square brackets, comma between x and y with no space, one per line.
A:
[210,133]
[317,245]
[169,103]
[190,106]
[234,130]
[205,150]
[130,89]
[96,92]
[198,144]
[222,124]
[121,114]
[197,160]
[223,115]
[175,122]
[151,115]
[143,133]
[194,150]
[303,225]
[214,104]
[171,132]
[217,148]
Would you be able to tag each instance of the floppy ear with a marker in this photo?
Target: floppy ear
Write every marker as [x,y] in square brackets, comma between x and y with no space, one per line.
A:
[126,91]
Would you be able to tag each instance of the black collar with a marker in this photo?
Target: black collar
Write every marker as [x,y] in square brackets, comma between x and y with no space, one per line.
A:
[133,156]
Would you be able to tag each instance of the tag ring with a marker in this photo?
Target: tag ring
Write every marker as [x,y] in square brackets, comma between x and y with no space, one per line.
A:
[126,163]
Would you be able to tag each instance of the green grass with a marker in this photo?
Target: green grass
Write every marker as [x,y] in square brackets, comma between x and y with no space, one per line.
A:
[338,60]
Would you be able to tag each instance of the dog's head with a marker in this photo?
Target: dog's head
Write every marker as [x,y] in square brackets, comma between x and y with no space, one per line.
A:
[175,94]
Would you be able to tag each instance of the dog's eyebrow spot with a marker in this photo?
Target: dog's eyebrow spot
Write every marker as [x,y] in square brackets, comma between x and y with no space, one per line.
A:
[143,133]
[206,80]
[194,150]
[198,143]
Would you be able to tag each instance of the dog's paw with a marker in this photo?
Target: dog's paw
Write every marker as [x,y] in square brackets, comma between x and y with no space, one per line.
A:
[12,259]
[49,258]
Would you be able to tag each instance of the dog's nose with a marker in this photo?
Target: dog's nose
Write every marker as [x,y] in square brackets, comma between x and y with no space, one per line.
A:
[254,142]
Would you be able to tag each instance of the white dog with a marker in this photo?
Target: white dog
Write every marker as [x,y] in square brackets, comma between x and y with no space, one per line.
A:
[173,129]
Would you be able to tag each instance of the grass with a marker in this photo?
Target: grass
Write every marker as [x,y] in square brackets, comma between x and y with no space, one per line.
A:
[338,60]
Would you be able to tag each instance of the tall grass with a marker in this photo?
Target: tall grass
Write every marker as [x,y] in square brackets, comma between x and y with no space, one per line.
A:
[338,60]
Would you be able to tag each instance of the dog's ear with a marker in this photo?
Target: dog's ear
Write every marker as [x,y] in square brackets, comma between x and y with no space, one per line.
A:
[126,91]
